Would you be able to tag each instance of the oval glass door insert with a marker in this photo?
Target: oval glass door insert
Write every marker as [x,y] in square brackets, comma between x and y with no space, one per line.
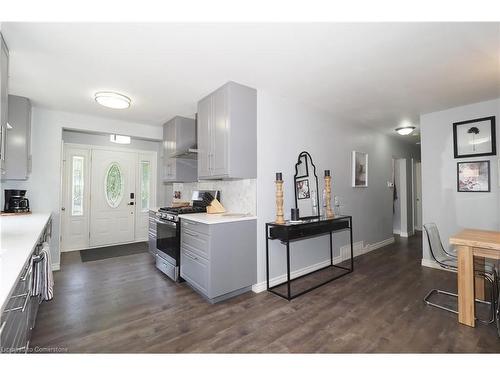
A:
[113,185]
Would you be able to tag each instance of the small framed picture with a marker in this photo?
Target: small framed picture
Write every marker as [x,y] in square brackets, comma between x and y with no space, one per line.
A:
[359,169]
[303,191]
[474,137]
[473,176]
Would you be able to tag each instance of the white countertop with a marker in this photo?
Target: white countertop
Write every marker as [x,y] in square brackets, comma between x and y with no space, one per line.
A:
[19,235]
[217,218]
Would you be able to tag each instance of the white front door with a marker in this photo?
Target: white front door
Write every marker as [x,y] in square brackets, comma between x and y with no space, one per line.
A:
[418,196]
[76,192]
[112,210]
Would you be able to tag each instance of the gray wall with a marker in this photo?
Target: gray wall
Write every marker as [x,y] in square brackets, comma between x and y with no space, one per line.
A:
[284,129]
[441,203]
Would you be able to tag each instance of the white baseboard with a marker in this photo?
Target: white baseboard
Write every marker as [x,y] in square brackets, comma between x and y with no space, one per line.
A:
[345,253]
[56,267]
[404,234]
[396,231]
[262,286]
[432,264]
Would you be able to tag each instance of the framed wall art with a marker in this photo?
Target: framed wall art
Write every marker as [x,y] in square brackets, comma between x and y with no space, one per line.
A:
[474,138]
[359,169]
[473,177]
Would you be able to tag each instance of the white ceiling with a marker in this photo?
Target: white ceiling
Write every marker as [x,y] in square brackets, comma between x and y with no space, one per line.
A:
[376,74]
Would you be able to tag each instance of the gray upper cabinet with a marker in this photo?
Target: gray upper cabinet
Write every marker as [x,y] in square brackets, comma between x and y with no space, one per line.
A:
[18,156]
[4,77]
[227,133]
[179,164]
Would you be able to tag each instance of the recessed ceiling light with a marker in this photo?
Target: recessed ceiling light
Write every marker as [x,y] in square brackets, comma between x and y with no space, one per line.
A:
[122,139]
[112,100]
[405,130]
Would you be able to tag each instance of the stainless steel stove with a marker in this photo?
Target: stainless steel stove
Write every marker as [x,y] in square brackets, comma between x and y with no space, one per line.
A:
[167,222]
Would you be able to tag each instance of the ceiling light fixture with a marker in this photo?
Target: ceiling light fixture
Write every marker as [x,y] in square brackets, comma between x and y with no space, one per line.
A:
[112,100]
[405,130]
[121,139]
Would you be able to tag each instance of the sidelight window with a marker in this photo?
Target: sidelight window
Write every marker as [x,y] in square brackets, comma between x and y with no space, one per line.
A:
[77,167]
[145,170]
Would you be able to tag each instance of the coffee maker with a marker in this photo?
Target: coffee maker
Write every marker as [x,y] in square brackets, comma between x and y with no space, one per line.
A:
[15,201]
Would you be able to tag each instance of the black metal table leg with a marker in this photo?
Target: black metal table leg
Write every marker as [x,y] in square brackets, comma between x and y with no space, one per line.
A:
[285,234]
[267,256]
[352,250]
[331,250]
[288,269]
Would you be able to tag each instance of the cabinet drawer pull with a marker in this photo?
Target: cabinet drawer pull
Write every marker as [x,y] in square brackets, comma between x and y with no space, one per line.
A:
[191,234]
[192,257]
[25,276]
[21,349]
[23,307]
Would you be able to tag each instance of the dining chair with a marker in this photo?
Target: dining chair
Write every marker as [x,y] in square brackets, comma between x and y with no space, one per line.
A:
[448,260]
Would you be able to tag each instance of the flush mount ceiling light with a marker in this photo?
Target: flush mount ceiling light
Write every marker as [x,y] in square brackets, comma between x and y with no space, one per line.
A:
[121,139]
[112,99]
[405,130]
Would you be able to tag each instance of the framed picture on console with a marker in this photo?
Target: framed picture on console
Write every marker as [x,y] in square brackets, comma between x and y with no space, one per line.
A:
[473,177]
[474,137]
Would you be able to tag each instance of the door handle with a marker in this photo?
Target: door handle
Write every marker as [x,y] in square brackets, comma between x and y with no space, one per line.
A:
[130,204]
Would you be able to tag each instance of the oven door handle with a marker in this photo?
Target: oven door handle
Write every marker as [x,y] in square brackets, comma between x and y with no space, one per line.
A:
[168,223]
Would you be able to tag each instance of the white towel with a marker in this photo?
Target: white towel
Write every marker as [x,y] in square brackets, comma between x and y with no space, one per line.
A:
[43,280]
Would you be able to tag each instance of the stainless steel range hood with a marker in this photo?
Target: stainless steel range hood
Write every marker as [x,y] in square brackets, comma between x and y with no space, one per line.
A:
[190,153]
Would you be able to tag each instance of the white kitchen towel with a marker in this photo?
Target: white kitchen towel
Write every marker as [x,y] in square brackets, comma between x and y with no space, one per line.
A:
[43,280]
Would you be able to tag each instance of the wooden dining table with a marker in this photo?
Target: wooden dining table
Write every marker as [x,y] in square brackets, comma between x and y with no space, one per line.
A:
[470,244]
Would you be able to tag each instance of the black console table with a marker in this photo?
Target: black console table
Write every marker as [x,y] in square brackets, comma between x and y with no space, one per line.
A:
[296,231]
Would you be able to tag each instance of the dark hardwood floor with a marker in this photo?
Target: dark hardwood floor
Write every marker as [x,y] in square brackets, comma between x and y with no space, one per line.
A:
[125,305]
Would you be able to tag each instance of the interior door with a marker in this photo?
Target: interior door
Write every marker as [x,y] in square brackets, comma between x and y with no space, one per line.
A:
[112,217]
[418,196]
[76,191]
[219,137]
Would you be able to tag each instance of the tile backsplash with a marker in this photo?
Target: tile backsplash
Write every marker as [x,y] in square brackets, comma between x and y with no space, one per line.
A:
[237,196]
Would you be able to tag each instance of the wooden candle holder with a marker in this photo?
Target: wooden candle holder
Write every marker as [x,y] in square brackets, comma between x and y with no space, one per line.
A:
[280,218]
[328,193]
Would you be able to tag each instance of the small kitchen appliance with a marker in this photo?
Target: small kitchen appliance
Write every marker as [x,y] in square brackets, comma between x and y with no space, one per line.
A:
[168,233]
[15,201]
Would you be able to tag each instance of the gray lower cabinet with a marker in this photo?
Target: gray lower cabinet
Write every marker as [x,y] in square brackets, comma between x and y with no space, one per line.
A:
[19,314]
[227,133]
[18,317]
[219,260]
[18,152]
